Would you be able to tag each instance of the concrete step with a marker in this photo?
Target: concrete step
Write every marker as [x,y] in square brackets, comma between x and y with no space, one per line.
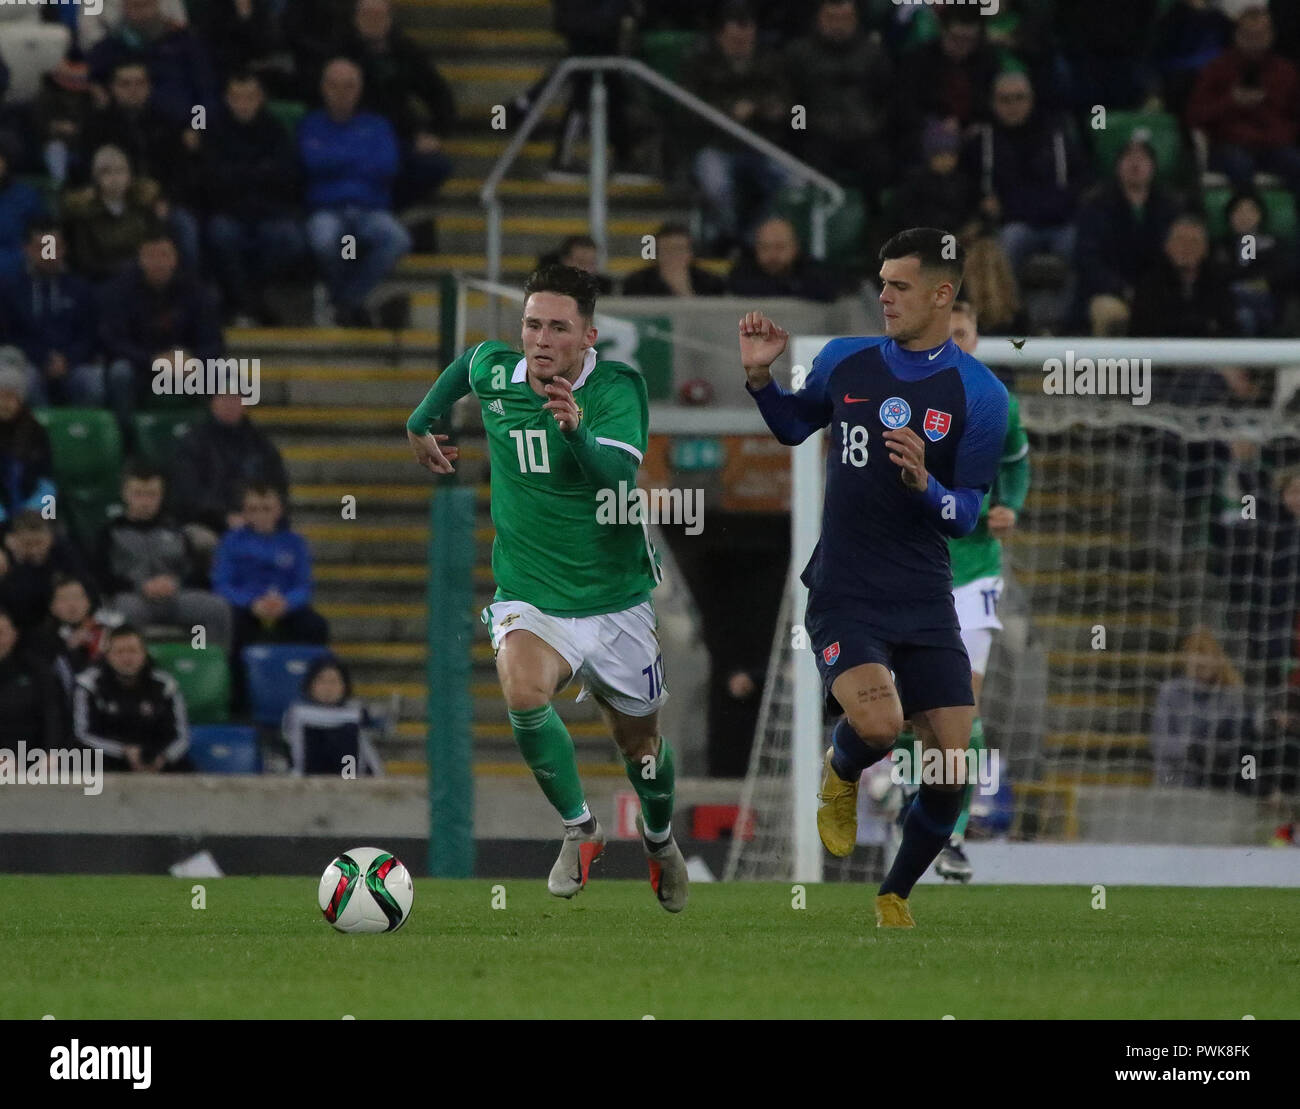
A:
[474,14]
[481,85]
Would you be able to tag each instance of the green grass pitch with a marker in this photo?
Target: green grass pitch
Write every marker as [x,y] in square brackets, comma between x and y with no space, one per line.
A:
[133,947]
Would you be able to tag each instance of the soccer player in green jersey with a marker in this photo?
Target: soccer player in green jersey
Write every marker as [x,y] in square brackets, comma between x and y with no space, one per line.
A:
[566,432]
[977,574]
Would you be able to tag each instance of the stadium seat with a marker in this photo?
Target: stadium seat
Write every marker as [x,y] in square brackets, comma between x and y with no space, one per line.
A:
[845,228]
[1279,206]
[225,749]
[86,444]
[204,678]
[156,433]
[274,675]
[664,51]
[289,113]
[1165,136]
[30,48]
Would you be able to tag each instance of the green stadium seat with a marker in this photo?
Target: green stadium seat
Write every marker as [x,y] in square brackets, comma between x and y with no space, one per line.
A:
[86,510]
[289,113]
[845,229]
[157,433]
[1279,207]
[664,51]
[1166,138]
[204,678]
[86,443]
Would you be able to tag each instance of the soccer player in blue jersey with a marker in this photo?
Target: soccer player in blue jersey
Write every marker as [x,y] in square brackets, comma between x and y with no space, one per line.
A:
[916,432]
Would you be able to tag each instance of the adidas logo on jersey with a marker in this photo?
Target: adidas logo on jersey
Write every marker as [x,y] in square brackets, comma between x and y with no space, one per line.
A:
[497,407]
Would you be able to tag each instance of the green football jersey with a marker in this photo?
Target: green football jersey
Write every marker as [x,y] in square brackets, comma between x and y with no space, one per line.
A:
[979,554]
[558,545]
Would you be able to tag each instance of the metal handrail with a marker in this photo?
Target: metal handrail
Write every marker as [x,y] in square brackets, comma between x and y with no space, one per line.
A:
[599,153]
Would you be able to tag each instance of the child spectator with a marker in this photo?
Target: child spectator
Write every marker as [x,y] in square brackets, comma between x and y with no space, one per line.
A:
[74,635]
[50,314]
[1200,718]
[327,724]
[30,560]
[132,712]
[1259,268]
[29,699]
[264,571]
[26,462]
[109,219]
[145,564]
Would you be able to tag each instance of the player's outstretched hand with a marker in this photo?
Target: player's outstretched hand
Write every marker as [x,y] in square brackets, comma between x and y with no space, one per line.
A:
[561,403]
[908,452]
[429,454]
[761,344]
[1001,521]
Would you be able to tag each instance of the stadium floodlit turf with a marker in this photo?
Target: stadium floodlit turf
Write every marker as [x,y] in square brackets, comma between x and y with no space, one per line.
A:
[109,947]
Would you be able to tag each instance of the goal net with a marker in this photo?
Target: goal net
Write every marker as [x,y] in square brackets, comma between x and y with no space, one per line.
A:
[1144,688]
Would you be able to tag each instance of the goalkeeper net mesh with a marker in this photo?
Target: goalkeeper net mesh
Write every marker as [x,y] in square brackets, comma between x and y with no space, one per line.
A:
[1143,689]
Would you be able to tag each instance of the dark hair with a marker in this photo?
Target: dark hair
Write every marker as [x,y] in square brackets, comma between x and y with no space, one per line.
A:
[244,77]
[59,580]
[569,282]
[140,469]
[30,520]
[259,489]
[673,227]
[123,630]
[43,226]
[323,662]
[157,235]
[733,11]
[933,247]
[570,241]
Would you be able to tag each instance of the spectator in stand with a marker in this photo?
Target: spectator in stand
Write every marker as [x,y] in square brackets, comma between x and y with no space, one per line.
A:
[1261,270]
[312,30]
[1200,719]
[108,220]
[74,635]
[132,712]
[243,37]
[26,462]
[20,206]
[213,463]
[1248,103]
[263,570]
[326,725]
[32,557]
[145,564]
[1122,227]
[251,176]
[50,314]
[1029,167]
[351,158]
[153,310]
[845,81]
[157,148]
[29,698]
[778,267]
[746,83]
[674,272]
[1188,35]
[949,77]
[61,114]
[578,251]
[1184,294]
[404,86]
[179,67]
[937,192]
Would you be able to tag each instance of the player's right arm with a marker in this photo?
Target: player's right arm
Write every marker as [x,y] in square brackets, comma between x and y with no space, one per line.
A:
[791,416]
[452,384]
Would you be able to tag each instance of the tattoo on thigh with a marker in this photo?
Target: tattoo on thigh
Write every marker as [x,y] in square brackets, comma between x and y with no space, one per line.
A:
[873,693]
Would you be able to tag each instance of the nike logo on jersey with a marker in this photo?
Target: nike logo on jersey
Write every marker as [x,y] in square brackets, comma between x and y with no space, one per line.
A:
[935,355]
[855,400]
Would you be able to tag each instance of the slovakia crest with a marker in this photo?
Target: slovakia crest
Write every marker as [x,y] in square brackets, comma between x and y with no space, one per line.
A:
[895,413]
[936,424]
[831,653]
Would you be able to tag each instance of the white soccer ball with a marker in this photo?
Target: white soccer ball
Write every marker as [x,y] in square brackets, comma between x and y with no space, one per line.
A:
[366,890]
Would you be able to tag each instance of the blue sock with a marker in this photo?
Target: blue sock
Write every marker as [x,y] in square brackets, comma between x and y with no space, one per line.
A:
[929,822]
[852,756]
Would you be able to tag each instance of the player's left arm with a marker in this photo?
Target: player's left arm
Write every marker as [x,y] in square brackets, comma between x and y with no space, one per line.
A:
[1013,474]
[608,443]
[956,511]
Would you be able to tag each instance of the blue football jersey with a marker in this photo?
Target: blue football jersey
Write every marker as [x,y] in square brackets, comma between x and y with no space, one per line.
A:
[879,539]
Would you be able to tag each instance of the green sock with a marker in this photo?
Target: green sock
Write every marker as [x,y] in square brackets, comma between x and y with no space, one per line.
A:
[548,750]
[654,786]
[976,745]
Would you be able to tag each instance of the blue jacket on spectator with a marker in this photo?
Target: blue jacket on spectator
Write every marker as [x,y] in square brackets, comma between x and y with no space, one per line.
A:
[247,564]
[42,313]
[348,165]
[20,206]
